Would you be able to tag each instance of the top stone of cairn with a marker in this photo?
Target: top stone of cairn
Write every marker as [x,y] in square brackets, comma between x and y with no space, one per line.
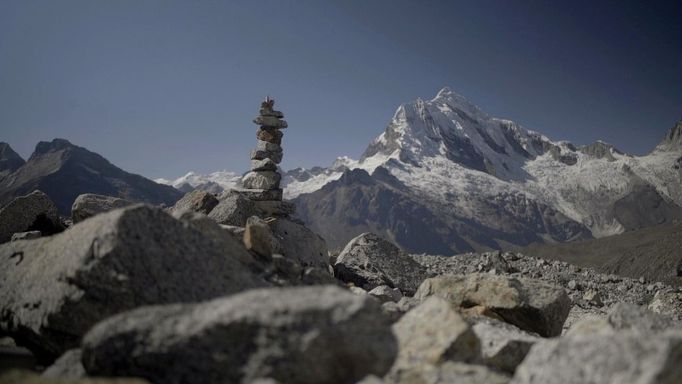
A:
[269,118]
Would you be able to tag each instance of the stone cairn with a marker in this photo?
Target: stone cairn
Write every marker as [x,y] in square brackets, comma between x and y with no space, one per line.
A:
[264,175]
[262,183]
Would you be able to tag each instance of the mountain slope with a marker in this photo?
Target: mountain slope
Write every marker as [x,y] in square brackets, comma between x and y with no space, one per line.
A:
[511,184]
[653,253]
[10,161]
[63,171]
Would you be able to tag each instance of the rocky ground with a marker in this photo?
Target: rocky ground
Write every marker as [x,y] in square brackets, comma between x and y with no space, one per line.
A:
[228,289]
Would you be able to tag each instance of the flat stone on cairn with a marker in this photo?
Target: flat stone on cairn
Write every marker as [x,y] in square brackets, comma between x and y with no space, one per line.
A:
[268,153]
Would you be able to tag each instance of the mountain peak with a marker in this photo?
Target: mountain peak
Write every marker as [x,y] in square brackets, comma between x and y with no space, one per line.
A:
[673,138]
[54,145]
[10,161]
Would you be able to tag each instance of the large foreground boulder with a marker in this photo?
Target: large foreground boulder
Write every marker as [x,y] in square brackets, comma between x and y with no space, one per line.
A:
[33,212]
[291,335]
[369,261]
[600,358]
[54,289]
[89,204]
[531,305]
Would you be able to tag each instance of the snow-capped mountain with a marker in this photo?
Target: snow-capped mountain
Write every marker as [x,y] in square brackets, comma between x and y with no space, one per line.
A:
[489,183]
[445,177]
[215,182]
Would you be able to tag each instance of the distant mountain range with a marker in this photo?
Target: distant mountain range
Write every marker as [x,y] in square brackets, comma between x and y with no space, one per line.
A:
[445,177]
[63,171]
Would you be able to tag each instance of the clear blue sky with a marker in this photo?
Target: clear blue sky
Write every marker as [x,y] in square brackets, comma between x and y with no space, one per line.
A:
[164,87]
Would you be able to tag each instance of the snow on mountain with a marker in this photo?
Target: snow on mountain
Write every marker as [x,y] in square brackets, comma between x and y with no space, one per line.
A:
[215,182]
[456,158]
[485,182]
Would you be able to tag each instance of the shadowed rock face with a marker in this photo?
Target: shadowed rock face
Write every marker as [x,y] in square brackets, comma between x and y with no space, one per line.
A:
[10,161]
[33,212]
[63,171]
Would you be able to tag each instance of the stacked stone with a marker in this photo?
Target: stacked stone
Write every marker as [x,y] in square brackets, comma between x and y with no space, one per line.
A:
[264,177]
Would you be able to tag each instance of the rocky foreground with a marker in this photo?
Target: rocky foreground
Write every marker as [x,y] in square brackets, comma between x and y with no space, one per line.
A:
[229,290]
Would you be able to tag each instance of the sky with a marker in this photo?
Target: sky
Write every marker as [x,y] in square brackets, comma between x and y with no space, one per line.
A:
[161,88]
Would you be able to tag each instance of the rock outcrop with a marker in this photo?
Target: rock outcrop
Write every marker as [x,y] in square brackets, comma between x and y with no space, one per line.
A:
[531,305]
[369,261]
[89,204]
[291,335]
[34,211]
[63,171]
[196,201]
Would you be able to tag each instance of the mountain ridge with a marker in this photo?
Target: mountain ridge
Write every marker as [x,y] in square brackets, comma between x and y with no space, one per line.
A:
[63,171]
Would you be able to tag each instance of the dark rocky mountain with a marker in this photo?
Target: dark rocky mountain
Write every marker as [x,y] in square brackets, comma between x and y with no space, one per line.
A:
[63,171]
[10,161]
[672,139]
[380,203]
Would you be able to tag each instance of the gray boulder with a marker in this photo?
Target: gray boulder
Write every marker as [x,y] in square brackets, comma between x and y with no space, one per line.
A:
[433,333]
[54,289]
[89,204]
[224,238]
[67,366]
[597,358]
[532,305]
[300,243]
[369,261]
[503,346]
[233,209]
[196,201]
[34,211]
[292,335]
